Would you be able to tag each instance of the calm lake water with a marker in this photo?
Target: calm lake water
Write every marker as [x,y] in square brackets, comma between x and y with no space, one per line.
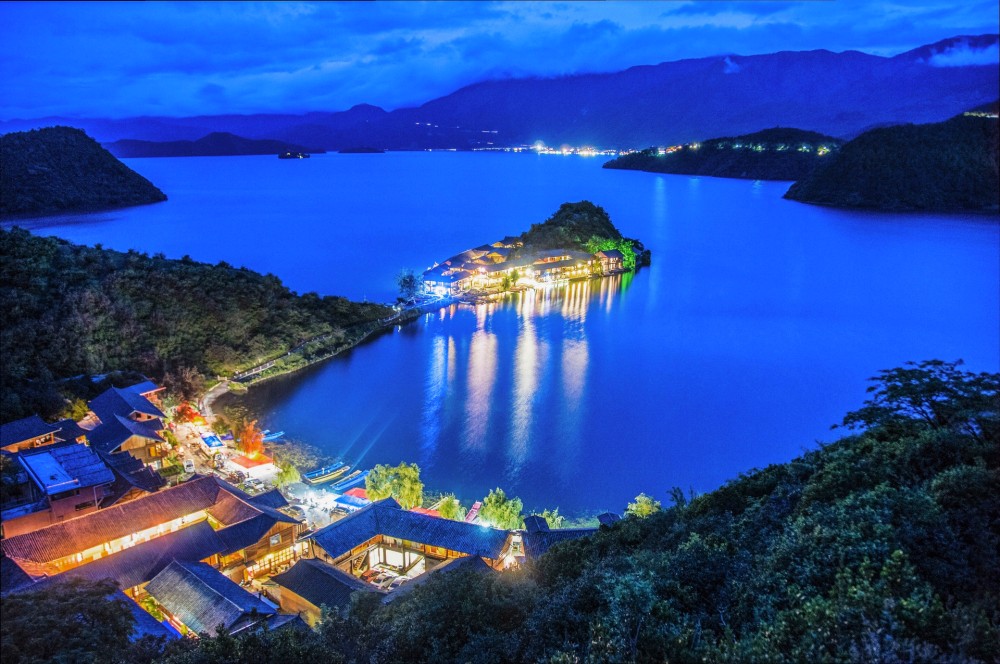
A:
[753,331]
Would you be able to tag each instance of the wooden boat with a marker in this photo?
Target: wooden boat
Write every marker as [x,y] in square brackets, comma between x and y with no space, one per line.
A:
[326,473]
[349,482]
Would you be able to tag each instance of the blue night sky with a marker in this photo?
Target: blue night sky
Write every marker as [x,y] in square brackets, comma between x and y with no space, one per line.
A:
[174,59]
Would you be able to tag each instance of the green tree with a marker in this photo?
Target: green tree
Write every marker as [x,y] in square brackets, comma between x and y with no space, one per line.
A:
[643,506]
[401,482]
[500,511]
[287,474]
[932,394]
[69,621]
[451,508]
[408,283]
[553,518]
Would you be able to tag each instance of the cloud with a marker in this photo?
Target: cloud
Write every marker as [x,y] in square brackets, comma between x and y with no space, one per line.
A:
[124,59]
[963,55]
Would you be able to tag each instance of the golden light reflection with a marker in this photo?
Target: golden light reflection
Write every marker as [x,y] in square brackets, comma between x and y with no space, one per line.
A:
[528,356]
[481,377]
[435,389]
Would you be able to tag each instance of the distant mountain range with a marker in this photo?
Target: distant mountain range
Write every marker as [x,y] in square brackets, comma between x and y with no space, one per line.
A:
[837,94]
[61,169]
[216,144]
[772,154]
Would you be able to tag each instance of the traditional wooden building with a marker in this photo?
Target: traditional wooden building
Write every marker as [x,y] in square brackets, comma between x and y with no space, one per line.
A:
[385,534]
[27,433]
[312,584]
[611,260]
[237,533]
[129,422]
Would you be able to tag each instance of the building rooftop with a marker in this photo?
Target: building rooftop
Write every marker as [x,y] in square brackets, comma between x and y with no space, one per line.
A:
[123,402]
[538,542]
[321,584]
[385,517]
[27,429]
[204,599]
[223,502]
[64,468]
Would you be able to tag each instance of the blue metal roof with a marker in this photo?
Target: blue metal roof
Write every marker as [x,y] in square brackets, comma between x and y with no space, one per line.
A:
[62,468]
[385,517]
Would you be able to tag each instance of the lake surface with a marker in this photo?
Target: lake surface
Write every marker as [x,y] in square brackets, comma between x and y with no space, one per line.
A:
[752,332]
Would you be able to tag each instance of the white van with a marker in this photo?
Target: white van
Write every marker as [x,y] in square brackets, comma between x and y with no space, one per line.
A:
[188,465]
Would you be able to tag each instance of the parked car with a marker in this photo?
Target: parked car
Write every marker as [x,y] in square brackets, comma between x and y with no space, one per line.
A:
[188,465]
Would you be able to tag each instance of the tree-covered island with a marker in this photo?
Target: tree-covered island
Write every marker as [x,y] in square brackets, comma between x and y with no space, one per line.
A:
[577,242]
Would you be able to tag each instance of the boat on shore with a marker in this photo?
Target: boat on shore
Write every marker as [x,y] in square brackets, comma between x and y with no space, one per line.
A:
[326,473]
[349,482]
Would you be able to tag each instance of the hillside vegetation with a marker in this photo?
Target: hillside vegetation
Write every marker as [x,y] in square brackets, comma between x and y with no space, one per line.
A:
[61,169]
[71,310]
[945,166]
[772,154]
[582,226]
[881,547]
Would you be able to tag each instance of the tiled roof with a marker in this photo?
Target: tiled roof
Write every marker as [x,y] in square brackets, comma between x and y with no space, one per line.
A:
[69,537]
[145,387]
[116,401]
[535,523]
[55,469]
[321,584]
[12,577]
[145,624]
[140,563]
[26,429]
[116,429]
[69,430]
[272,499]
[203,598]
[385,517]
[608,518]
[538,542]
[244,534]
[610,253]
[129,473]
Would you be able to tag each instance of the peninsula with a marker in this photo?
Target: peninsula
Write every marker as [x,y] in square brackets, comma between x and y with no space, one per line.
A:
[215,144]
[61,169]
[943,166]
[771,154]
[577,242]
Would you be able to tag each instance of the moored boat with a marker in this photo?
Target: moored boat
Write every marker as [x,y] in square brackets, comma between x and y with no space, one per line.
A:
[349,482]
[326,473]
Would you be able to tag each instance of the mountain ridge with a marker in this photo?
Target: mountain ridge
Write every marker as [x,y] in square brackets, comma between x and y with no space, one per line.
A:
[837,94]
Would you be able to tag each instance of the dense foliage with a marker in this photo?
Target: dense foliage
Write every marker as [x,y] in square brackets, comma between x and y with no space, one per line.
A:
[582,226]
[71,310]
[771,154]
[883,546]
[571,227]
[401,483]
[61,168]
[950,165]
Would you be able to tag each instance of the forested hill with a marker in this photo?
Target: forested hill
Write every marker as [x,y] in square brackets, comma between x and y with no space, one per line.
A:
[771,154]
[71,310]
[881,547]
[945,166]
[216,144]
[60,169]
